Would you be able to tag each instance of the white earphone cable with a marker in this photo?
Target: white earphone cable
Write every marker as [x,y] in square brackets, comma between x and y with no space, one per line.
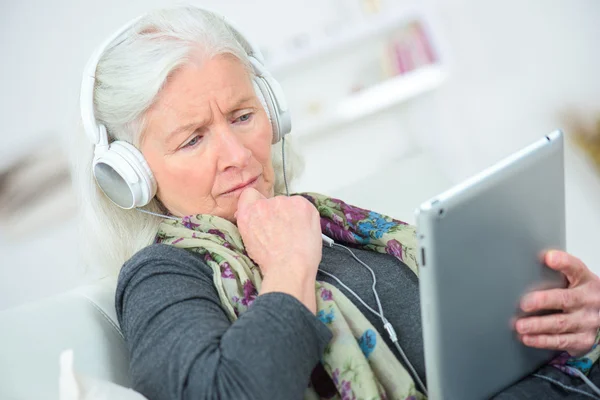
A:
[386,324]
[287,189]
[587,381]
[158,215]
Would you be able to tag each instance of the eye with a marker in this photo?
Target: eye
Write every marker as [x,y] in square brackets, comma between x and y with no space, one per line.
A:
[193,142]
[244,118]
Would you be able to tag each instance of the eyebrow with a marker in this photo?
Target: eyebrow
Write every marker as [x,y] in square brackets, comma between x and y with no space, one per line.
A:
[200,124]
[239,102]
[184,128]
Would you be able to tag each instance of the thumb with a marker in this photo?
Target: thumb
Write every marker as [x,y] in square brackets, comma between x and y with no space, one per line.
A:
[248,197]
[572,267]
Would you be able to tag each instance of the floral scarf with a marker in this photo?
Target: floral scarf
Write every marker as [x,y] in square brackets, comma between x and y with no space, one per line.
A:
[357,359]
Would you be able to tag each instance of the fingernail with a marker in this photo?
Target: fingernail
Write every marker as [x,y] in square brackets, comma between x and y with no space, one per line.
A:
[553,257]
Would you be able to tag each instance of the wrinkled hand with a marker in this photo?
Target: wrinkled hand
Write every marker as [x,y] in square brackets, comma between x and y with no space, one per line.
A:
[280,233]
[573,330]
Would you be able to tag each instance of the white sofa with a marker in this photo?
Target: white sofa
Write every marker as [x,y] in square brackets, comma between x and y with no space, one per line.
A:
[32,337]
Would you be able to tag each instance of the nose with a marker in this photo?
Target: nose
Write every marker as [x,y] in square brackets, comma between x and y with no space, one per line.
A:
[232,151]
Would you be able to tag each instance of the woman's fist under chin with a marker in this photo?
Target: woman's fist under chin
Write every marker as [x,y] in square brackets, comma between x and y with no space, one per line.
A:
[280,233]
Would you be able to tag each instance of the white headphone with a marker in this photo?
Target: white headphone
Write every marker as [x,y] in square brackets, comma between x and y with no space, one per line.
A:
[119,168]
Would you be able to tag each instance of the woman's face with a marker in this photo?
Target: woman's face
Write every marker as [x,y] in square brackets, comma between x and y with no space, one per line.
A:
[207,137]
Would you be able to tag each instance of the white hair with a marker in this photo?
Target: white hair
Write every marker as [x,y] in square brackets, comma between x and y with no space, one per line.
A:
[129,76]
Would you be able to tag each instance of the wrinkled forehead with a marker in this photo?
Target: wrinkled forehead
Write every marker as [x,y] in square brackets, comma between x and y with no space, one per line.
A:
[193,91]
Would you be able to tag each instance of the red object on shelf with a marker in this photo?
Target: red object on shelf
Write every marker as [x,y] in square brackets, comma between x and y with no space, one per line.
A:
[410,48]
[425,43]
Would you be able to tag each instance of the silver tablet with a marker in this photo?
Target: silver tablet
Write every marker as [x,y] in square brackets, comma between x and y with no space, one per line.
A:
[481,247]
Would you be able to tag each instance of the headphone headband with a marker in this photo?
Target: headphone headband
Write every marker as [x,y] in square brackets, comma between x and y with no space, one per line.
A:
[88,81]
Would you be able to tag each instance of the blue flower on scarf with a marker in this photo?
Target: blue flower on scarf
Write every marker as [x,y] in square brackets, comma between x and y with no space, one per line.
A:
[360,239]
[375,226]
[325,318]
[583,364]
[367,342]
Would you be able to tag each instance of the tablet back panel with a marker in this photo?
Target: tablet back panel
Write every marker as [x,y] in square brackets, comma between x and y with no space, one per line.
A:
[481,248]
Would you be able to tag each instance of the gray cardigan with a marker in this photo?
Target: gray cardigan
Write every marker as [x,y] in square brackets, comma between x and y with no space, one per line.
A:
[183,346]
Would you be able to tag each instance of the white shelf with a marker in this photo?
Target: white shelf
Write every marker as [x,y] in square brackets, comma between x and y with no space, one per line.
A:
[375,98]
[368,27]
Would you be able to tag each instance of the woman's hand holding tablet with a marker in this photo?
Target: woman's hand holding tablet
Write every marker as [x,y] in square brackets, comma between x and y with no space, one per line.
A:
[574,330]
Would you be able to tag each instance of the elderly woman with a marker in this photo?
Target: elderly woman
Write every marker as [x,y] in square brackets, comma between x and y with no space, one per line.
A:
[226,289]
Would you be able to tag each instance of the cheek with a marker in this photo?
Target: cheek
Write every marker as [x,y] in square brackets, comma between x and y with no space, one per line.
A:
[268,167]
[268,171]
[262,150]
[183,183]
[191,178]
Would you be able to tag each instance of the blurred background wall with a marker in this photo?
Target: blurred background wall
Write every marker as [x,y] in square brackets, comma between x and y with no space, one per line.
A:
[506,73]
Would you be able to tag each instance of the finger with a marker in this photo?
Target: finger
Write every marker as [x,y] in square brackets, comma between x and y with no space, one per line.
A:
[571,342]
[579,321]
[248,197]
[553,299]
[572,267]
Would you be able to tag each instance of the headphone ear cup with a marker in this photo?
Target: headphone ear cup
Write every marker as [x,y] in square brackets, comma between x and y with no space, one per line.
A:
[124,176]
[277,99]
[261,98]
[266,100]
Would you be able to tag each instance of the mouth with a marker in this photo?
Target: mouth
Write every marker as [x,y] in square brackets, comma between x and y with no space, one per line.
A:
[238,189]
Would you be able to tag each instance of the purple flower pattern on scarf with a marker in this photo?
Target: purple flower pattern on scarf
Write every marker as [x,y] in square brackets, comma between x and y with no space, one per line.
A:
[226,271]
[344,387]
[354,214]
[249,293]
[338,232]
[326,294]
[394,248]
[217,232]
[220,234]
[187,222]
